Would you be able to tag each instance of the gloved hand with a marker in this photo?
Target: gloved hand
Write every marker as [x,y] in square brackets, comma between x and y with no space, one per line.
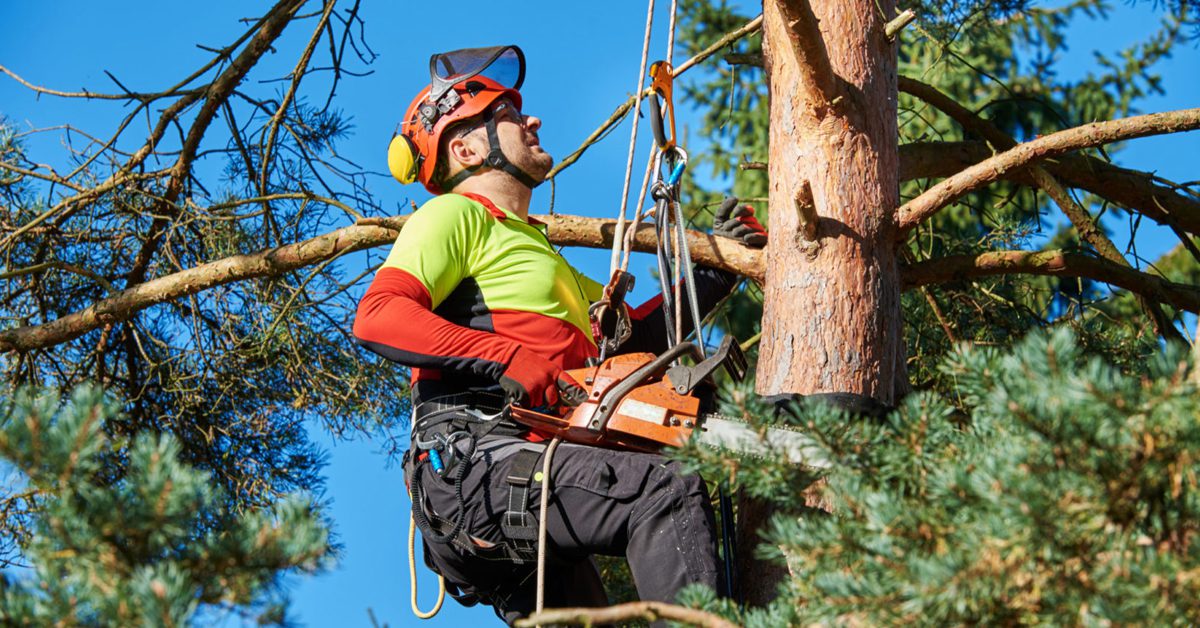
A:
[738,222]
[532,381]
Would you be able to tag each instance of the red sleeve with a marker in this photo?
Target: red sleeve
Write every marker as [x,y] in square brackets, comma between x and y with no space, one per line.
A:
[394,319]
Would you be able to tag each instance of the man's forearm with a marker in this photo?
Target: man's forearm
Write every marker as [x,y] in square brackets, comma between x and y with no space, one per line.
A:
[395,320]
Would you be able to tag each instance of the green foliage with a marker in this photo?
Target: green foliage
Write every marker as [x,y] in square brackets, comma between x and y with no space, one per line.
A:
[150,549]
[1048,487]
[1000,59]
[233,374]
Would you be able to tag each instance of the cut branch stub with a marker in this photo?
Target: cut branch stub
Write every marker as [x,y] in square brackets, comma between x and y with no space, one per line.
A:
[896,25]
[812,65]
[808,212]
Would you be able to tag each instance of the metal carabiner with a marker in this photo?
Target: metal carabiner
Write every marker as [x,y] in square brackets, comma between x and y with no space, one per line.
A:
[678,159]
[662,82]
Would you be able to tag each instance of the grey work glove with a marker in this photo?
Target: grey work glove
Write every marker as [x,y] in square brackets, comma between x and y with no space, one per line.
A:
[737,222]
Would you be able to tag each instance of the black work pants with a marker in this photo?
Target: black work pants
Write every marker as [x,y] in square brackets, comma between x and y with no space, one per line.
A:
[607,502]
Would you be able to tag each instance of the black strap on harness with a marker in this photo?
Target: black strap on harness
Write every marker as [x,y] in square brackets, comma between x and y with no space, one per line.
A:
[518,524]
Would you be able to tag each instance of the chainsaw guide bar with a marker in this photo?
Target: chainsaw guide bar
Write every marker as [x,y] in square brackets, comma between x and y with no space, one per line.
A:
[738,437]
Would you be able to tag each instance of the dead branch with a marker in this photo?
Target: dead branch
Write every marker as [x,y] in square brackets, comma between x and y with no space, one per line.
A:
[216,94]
[123,305]
[915,211]
[648,611]
[1085,224]
[297,74]
[898,23]
[84,94]
[563,230]
[1057,263]
[1132,190]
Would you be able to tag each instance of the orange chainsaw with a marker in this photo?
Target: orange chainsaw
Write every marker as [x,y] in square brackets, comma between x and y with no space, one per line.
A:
[640,401]
[644,402]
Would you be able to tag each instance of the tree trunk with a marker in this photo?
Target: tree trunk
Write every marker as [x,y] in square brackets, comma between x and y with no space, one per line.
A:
[832,320]
[832,315]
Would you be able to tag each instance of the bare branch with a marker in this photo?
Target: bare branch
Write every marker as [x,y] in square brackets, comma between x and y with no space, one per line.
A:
[84,94]
[215,96]
[898,23]
[125,304]
[297,74]
[1085,224]
[1057,263]
[1086,136]
[706,249]
[648,611]
[725,40]
[1131,189]
[564,230]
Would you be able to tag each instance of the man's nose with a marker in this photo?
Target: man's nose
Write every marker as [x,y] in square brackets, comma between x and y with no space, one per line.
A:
[533,123]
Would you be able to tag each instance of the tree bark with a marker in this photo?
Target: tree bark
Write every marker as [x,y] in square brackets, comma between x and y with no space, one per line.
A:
[832,307]
[831,317]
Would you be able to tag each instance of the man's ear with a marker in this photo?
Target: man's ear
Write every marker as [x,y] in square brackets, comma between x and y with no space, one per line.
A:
[465,151]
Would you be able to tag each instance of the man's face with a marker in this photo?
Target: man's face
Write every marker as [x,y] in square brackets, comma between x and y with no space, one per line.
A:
[518,138]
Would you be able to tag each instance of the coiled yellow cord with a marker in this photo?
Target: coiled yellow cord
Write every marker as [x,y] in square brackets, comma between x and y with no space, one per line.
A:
[412,572]
[541,552]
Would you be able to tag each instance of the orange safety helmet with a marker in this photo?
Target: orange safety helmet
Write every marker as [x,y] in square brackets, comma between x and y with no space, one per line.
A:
[464,84]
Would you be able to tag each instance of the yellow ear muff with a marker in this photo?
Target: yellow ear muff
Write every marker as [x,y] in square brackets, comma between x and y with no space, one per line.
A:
[403,159]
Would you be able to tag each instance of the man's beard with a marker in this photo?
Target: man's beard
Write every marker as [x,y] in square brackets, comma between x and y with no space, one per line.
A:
[536,165]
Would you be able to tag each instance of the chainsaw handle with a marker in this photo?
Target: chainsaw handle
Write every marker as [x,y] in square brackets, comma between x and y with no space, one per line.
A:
[611,399]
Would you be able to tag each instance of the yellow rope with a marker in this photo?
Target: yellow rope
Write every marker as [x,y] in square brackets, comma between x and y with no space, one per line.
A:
[412,572]
[541,558]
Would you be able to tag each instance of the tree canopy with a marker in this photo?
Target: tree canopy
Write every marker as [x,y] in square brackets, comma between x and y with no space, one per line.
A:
[192,262]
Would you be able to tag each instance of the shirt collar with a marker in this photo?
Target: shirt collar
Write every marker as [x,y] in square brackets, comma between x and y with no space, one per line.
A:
[495,211]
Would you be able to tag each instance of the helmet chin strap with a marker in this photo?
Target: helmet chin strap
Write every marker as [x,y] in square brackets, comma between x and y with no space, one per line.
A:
[495,159]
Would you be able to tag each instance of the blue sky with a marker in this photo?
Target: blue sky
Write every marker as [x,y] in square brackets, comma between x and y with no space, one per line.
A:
[582,63]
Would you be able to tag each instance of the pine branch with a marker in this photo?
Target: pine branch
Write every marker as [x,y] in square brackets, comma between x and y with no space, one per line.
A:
[563,231]
[1085,224]
[939,196]
[1057,263]
[218,91]
[1133,190]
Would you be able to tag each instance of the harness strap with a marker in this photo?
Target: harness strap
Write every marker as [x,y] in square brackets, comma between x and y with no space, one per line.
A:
[518,524]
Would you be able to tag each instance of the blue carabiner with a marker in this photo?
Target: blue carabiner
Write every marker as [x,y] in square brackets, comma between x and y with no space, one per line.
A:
[676,173]
[435,459]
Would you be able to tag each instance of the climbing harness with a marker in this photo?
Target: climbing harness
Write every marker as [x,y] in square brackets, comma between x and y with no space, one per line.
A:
[445,436]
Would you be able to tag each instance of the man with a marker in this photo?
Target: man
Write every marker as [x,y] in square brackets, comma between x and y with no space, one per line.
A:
[475,299]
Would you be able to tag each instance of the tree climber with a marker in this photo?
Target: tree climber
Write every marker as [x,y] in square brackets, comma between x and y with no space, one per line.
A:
[475,299]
